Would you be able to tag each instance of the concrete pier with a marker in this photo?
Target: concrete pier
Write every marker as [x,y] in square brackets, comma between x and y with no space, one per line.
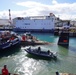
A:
[34,42]
[64,39]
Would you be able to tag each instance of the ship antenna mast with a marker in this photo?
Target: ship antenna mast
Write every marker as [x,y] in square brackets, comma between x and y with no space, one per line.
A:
[9,17]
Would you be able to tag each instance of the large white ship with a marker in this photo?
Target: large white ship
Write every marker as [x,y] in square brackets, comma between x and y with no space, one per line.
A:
[35,23]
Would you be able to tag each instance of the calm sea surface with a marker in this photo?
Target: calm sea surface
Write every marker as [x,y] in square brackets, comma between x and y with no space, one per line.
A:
[18,61]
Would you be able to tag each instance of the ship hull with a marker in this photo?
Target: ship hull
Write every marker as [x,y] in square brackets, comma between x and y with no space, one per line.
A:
[34,30]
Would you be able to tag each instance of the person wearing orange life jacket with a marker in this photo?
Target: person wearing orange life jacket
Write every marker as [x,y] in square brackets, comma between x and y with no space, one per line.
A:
[5,70]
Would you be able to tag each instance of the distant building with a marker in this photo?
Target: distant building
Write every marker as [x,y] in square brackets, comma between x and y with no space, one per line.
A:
[5,24]
[73,23]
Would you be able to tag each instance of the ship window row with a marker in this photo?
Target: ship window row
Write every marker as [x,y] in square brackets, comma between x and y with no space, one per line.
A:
[37,24]
[52,19]
[21,27]
[27,24]
[35,20]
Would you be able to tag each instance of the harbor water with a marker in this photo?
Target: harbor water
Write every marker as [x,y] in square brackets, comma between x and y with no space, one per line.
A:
[18,61]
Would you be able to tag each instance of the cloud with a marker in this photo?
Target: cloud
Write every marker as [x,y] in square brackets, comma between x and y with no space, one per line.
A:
[54,2]
[30,4]
[64,10]
[3,14]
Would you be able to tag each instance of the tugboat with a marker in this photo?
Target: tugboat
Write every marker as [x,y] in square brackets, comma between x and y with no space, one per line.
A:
[38,52]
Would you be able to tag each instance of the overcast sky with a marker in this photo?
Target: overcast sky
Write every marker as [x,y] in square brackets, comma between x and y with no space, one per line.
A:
[65,9]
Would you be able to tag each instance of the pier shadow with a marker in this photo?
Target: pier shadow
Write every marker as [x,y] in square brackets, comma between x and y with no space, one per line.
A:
[65,46]
[68,48]
[7,52]
[62,51]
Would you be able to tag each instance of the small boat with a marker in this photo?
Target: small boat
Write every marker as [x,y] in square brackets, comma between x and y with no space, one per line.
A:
[8,40]
[5,45]
[39,53]
[15,41]
[9,43]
